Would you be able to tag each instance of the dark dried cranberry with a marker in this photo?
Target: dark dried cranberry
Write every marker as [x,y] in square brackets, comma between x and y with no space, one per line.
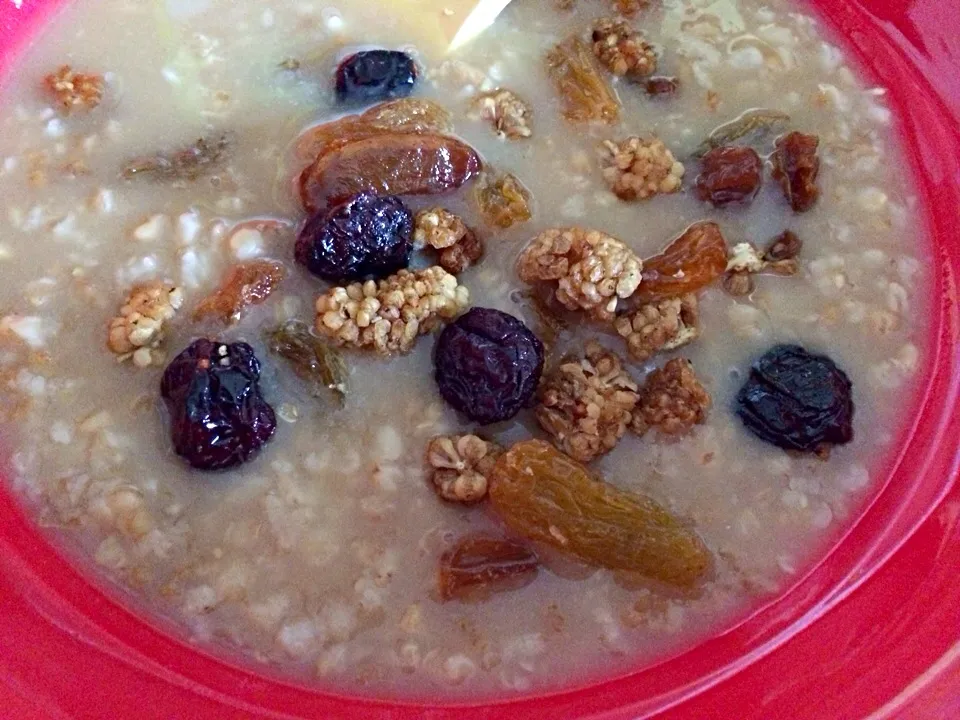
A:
[796,166]
[367,236]
[729,174]
[488,365]
[375,75]
[797,400]
[219,419]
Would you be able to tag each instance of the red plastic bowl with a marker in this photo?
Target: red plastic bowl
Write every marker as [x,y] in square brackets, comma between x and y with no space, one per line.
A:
[873,630]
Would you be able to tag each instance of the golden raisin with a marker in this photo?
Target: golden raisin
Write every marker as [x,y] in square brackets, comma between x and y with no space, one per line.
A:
[546,497]
[390,164]
[249,283]
[689,263]
[586,95]
[479,565]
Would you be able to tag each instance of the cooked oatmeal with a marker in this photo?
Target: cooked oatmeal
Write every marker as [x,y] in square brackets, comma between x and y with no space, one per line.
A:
[149,162]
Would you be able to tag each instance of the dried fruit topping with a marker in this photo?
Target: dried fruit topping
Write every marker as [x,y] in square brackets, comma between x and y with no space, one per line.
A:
[366,236]
[636,169]
[73,90]
[313,360]
[488,365]
[479,565]
[138,330]
[586,95]
[629,8]
[409,115]
[796,166]
[375,75]
[672,400]
[797,401]
[389,164]
[459,247]
[249,283]
[586,404]
[503,200]
[622,50]
[752,125]
[438,228]
[219,419]
[592,270]
[746,261]
[509,114]
[460,466]
[689,263]
[188,163]
[729,174]
[544,496]
[662,85]
[389,316]
[660,326]
[785,246]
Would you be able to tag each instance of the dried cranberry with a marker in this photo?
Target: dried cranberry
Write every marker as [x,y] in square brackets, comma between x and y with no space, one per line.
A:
[729,174]
[375,75]
[367,236]
[488,365]
[219,419]
[797,400]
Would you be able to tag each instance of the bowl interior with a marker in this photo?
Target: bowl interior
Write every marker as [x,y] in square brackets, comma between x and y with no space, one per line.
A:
[872,625]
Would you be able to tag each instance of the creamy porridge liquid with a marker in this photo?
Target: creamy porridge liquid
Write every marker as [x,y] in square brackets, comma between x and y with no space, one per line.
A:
[319,558]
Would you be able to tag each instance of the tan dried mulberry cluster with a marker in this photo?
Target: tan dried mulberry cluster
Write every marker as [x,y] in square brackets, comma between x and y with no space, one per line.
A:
[389,316]
[509,114]
[660,326]
[672,400]
[586,405]
[593,270]
[74,91]
[460,466]
[458,245]
[623,50]
[636,169]
[138,331]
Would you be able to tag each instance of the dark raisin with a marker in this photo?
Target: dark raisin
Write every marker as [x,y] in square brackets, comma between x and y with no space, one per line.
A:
[796,166]
[785,246]
[730,174]
[219,419]
[488,365]
[367,236]
[662,85]
[375,75]
[797,400]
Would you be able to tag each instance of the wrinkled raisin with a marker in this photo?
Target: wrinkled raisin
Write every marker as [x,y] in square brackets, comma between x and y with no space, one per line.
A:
[375,75]
[478,566]
[688,264]
[388,164]
[546,497]
[488,364]
[367,236]
[730,174]
[796,166]
[249,283]
[797,400]
[219,419]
